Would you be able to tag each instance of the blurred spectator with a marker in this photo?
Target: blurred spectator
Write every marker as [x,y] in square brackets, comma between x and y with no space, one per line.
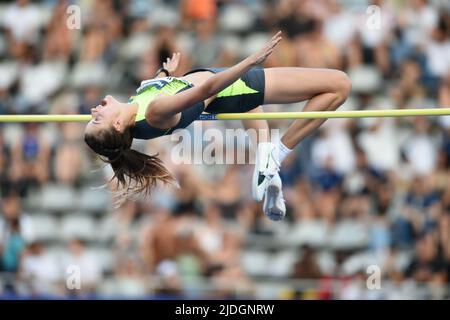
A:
[421,148]
[39,271]
[291,171]
[195,10]
[69,157]
[171,283]
[356,289]
[5,101]
[211,233]
[190,256]
[409,88]
[294,18]
[207,48]
[373,39]
[314,50]
[428,266]
[5,158]
[88,264]
[22,22]
[14,219]
[380,134]
[418,21]
[326,178]
[340,27]
[438,47]
[307,267]
[13,247]
[334,149]
[60,40]
[31,155]
[158,243]
[131,280]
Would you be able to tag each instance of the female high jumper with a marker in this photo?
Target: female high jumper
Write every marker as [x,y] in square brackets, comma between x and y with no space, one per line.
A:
[167,103]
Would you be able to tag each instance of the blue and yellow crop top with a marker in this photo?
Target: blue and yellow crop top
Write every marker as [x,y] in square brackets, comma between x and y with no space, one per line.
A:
[148,91]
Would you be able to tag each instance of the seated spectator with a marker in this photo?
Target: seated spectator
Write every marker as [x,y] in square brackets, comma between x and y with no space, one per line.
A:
[5,154]
[5,100]
[291,170]
[21,20]
[88,264]
[210,234]
[190,257]
[437,49]
[69,163]
[422,194]
[13,247]
[208,48]
[40,272]
[340,26]
[159,241]
[307,267]
[421,149]
[231,282]
[131,280]
[418,213]
[170,278]
[428,265]
[380,134]
[59,41]
[11,209]
[409,87]
[31,155]
[418,21]
[293,17]
[315,51]
[327,178]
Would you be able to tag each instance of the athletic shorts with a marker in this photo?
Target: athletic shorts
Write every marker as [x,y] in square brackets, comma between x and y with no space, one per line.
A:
[243,95]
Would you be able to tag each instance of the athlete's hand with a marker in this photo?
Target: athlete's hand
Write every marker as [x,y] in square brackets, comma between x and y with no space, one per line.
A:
[260,56]
[171,64]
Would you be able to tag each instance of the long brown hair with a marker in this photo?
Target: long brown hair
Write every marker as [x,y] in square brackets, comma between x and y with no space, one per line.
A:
[135,172]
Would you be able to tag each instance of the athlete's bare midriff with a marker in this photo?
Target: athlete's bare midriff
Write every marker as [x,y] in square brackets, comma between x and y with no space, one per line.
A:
[197,78]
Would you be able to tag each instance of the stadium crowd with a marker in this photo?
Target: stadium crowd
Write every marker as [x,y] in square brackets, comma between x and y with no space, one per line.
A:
[360,193]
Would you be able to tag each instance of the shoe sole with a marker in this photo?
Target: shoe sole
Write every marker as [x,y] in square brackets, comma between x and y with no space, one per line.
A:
[273,212]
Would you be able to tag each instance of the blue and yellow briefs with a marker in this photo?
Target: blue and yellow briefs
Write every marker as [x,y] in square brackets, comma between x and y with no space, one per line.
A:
[243,95]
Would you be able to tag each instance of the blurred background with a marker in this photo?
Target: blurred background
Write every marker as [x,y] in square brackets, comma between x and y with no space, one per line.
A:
[359,192]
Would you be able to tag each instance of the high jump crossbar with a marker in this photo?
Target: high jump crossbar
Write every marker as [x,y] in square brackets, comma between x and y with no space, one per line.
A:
[253,115]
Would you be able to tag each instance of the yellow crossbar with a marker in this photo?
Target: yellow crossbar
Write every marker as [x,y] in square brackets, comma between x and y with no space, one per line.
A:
[253,115]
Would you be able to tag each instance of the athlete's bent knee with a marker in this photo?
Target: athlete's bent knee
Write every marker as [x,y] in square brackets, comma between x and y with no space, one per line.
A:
[342,84]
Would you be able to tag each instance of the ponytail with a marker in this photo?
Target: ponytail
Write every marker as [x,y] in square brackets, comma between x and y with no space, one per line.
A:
[138,173]
[135,173]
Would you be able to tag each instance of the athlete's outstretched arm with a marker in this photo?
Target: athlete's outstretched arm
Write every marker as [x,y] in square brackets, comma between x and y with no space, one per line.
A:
[164,107]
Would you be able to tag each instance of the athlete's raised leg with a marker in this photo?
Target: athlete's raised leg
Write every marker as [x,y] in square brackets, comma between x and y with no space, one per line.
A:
[324,88]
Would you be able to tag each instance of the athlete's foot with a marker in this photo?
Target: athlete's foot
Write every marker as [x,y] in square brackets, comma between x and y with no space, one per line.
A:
[266,167]
[274,207]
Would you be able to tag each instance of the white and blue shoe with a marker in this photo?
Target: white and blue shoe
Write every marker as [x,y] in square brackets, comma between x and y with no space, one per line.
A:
[274,206]
[266,182]
[266,167]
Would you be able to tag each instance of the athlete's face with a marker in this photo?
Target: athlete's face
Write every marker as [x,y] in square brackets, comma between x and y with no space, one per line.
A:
[106,114]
